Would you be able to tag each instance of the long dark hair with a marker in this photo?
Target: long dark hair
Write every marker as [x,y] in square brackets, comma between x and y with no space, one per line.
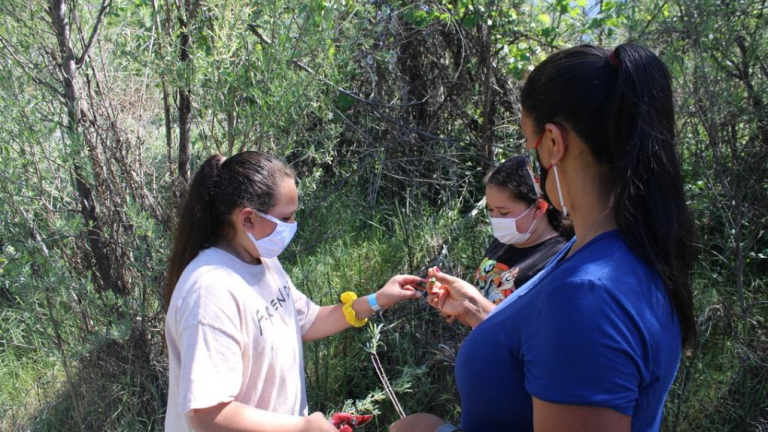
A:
[221,185]
[620,105]
[512,175]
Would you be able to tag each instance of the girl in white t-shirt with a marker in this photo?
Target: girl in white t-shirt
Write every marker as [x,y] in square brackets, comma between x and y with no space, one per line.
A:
[235,322]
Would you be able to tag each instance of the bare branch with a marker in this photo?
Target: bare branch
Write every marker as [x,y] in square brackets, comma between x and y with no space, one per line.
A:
[105,4]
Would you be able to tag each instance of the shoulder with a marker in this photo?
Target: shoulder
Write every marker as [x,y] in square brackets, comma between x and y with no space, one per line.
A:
[610,261]
[608,288]
[212,269]
[274,265]
[208,292]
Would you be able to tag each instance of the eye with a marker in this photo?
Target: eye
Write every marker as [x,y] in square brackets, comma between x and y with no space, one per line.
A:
[503,214]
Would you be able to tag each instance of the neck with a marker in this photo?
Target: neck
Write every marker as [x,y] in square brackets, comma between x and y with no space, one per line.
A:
[592,217]
[238,251]
[541,231]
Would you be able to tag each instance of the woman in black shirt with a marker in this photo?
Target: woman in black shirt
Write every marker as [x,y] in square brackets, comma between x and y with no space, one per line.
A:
[527,230]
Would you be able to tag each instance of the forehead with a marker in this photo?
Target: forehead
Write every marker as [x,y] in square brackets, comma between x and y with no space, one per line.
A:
[496,196]
[287,195]
[526,122]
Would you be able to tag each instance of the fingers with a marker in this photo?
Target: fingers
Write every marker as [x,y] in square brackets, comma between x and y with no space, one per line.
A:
[442,297]
[409,293]
[432,300]
[443,278]
[409,280]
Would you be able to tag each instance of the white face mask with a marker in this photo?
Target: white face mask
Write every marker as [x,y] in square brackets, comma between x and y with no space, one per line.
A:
[505,229]
[274,244]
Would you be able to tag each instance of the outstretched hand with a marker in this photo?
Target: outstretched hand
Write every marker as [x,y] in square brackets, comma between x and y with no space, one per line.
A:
[456,299]
[399,288]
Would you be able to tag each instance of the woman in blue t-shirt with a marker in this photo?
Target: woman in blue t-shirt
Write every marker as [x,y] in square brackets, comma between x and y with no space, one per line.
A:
[593,342]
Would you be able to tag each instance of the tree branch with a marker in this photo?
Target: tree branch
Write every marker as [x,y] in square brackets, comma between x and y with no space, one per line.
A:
[21,64]
[105,4]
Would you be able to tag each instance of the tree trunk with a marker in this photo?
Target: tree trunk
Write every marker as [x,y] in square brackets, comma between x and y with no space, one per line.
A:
[230,130]
[487,133]
[185,100]
[76,110]
[166,98]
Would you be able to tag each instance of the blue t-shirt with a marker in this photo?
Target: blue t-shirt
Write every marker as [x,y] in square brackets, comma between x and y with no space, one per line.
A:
[594,329]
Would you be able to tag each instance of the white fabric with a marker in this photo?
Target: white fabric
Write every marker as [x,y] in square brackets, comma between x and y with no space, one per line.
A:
[274,244]
[234,334]
[505,229]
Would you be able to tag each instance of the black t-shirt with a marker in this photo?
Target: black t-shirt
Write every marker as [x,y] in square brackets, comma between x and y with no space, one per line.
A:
[506,267]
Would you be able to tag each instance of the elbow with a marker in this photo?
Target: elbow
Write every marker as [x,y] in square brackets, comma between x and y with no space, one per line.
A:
[204,419]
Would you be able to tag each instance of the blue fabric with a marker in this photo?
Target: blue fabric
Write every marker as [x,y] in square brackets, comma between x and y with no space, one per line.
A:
[594,329]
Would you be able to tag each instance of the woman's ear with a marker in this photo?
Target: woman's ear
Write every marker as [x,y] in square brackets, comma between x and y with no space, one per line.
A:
[556,135]
[541,207]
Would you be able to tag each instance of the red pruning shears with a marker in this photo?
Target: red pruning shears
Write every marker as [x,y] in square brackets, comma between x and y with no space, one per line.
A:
[348,422]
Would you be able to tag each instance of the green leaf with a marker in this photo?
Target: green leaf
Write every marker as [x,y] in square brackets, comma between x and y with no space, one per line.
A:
[408,15]
[344,101]
[545,19]
[608,6]
[470,20]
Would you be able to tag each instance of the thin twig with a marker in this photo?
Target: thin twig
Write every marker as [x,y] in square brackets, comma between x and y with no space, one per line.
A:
[105,4]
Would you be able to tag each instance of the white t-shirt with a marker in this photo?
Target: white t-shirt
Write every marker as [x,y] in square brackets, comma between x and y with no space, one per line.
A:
[234,334]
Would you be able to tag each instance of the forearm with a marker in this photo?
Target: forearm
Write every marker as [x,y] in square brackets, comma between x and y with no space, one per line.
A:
[234,416]
[331,320]
[477,309]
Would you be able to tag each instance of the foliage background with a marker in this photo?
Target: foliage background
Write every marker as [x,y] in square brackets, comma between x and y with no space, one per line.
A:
[390,111]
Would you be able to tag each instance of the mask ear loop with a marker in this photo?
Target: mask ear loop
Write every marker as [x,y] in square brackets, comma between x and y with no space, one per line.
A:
[535,182]
[557,180]
[535,219]
[560,191]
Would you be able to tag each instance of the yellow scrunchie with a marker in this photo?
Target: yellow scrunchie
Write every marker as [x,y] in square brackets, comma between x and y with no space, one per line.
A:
[348,298]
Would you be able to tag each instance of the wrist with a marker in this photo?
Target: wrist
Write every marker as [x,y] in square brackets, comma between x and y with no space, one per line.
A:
[472,314]
[362,308]
[373,302]
[383,301]
[355,309]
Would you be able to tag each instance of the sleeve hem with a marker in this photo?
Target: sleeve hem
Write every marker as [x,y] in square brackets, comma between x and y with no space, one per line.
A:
[622,408]
[311,316]
[189,408]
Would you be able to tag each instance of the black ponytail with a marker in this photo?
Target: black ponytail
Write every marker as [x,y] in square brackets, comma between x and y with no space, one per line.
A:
[620,105]
[513,176]
[221,185]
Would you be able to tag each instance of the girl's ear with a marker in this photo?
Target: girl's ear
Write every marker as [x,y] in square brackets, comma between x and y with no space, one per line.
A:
[556,135]
[245,217]
[541,207]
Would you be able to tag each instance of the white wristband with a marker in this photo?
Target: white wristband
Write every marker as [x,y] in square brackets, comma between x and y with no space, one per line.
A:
[372,302]
[447,427]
